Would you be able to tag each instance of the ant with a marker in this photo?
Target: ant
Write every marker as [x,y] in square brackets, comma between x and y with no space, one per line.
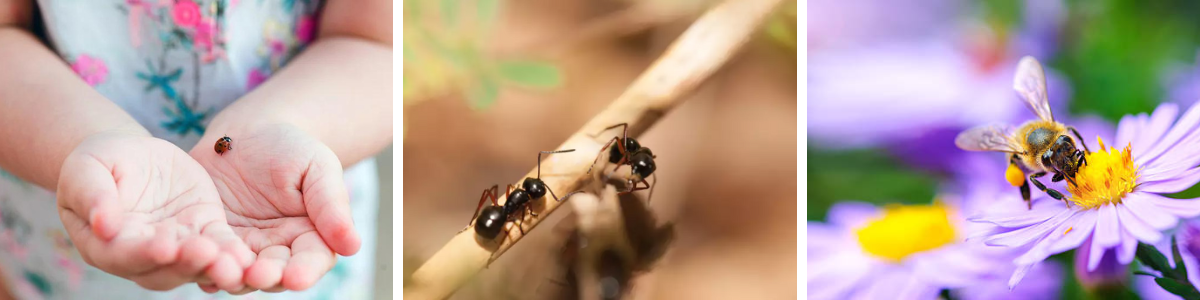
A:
[493,217]
[629,152]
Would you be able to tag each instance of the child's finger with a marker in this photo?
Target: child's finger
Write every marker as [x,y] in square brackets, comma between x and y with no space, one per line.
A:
[267,270]
[310,260]
[328,205]
[86,187]
[226,274]
[197,254]
[208,288]
[229,242]
[121,257]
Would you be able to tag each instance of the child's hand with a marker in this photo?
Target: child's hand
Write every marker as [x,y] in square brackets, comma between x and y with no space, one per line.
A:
[140,208]
[287,200]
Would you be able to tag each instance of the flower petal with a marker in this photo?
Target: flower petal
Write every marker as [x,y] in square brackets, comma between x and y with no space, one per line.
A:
[1152,133]
[1108,227]
[1127,248]
[1082,230]
[1041,249]
[1181,182]
[1184,208]
[1025,235]
[1135,227]
[851,214]
[1019,218]
[1017,275]
[1148,212]
[1182,131]
[1125,129]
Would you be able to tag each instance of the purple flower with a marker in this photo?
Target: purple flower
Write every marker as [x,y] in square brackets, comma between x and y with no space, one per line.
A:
[887,73]
[837,23]
[1110,272]
[906,252]
[1117,200]
[1182,83]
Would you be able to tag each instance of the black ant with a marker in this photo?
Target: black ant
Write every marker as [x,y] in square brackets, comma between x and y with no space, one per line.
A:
[629,152]
[493,217]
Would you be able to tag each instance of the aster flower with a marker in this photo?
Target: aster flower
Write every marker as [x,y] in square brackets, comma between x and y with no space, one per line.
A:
[874,90]
[1117,200]
[908,252]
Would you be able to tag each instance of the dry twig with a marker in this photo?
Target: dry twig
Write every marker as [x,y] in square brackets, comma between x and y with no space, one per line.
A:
[693,57]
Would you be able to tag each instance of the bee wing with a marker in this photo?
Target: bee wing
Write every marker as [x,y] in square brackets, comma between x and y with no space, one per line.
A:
[1030,83]
[993,137]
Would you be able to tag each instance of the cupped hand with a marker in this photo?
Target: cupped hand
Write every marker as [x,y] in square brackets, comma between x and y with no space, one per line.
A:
[140,208]
[286,199]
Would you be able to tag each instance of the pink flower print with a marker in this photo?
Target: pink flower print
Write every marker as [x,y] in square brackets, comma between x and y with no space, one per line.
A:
[256,78]
[186,13]
[136,9]
[205,33]
[212,54]
[74,272]
[305,29]
[277,47]
[93,70]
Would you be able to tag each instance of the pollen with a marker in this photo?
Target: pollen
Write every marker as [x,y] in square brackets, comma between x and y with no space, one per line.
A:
[906,229]
[1108,176]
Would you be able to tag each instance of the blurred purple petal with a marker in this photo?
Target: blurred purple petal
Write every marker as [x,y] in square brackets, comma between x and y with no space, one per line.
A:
[851,214]
[1107,271]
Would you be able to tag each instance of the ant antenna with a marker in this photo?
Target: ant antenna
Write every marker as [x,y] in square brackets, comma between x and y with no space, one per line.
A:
[539,176]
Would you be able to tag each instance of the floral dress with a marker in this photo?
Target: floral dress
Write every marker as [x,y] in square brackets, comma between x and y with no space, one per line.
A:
[172,65]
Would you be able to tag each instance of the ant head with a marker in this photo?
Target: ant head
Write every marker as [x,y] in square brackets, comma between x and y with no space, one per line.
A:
[535,187]
[642,163]
[490,221]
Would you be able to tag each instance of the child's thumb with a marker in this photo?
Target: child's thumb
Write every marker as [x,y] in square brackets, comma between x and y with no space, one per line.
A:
[87,187]
[328,205]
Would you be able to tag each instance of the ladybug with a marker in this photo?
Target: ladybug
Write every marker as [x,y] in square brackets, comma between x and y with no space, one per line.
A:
[223,144]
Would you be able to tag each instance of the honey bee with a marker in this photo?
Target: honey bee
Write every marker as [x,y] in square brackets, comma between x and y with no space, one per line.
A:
[1038,146]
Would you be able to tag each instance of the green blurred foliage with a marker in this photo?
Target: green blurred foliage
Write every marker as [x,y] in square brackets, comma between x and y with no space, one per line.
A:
[862,175]
[1114,53]
[444,53]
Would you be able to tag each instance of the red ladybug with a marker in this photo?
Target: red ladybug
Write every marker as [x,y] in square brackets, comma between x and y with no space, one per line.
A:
[223,144]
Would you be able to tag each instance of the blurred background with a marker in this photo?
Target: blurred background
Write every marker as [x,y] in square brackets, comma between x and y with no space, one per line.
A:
[892,82]
[488,84]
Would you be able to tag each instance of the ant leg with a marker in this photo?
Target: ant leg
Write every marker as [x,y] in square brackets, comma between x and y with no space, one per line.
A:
[1052,192]
[609,128]
[539,161]
[522,225]
[1080,137]
[530,210]
[482,199]
[651,196]
[507,192]
[606,145]
[556,198]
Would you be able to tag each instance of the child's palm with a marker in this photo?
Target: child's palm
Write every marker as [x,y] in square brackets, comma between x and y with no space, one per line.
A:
[288,202]
[140,208]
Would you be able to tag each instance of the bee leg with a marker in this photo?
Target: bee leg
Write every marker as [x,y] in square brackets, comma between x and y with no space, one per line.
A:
[1080,137]
[1025,194]
[1057,177]
[1052,192]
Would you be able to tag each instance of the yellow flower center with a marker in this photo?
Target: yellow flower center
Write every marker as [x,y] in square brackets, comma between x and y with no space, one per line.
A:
[908,229]
[1107,177]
